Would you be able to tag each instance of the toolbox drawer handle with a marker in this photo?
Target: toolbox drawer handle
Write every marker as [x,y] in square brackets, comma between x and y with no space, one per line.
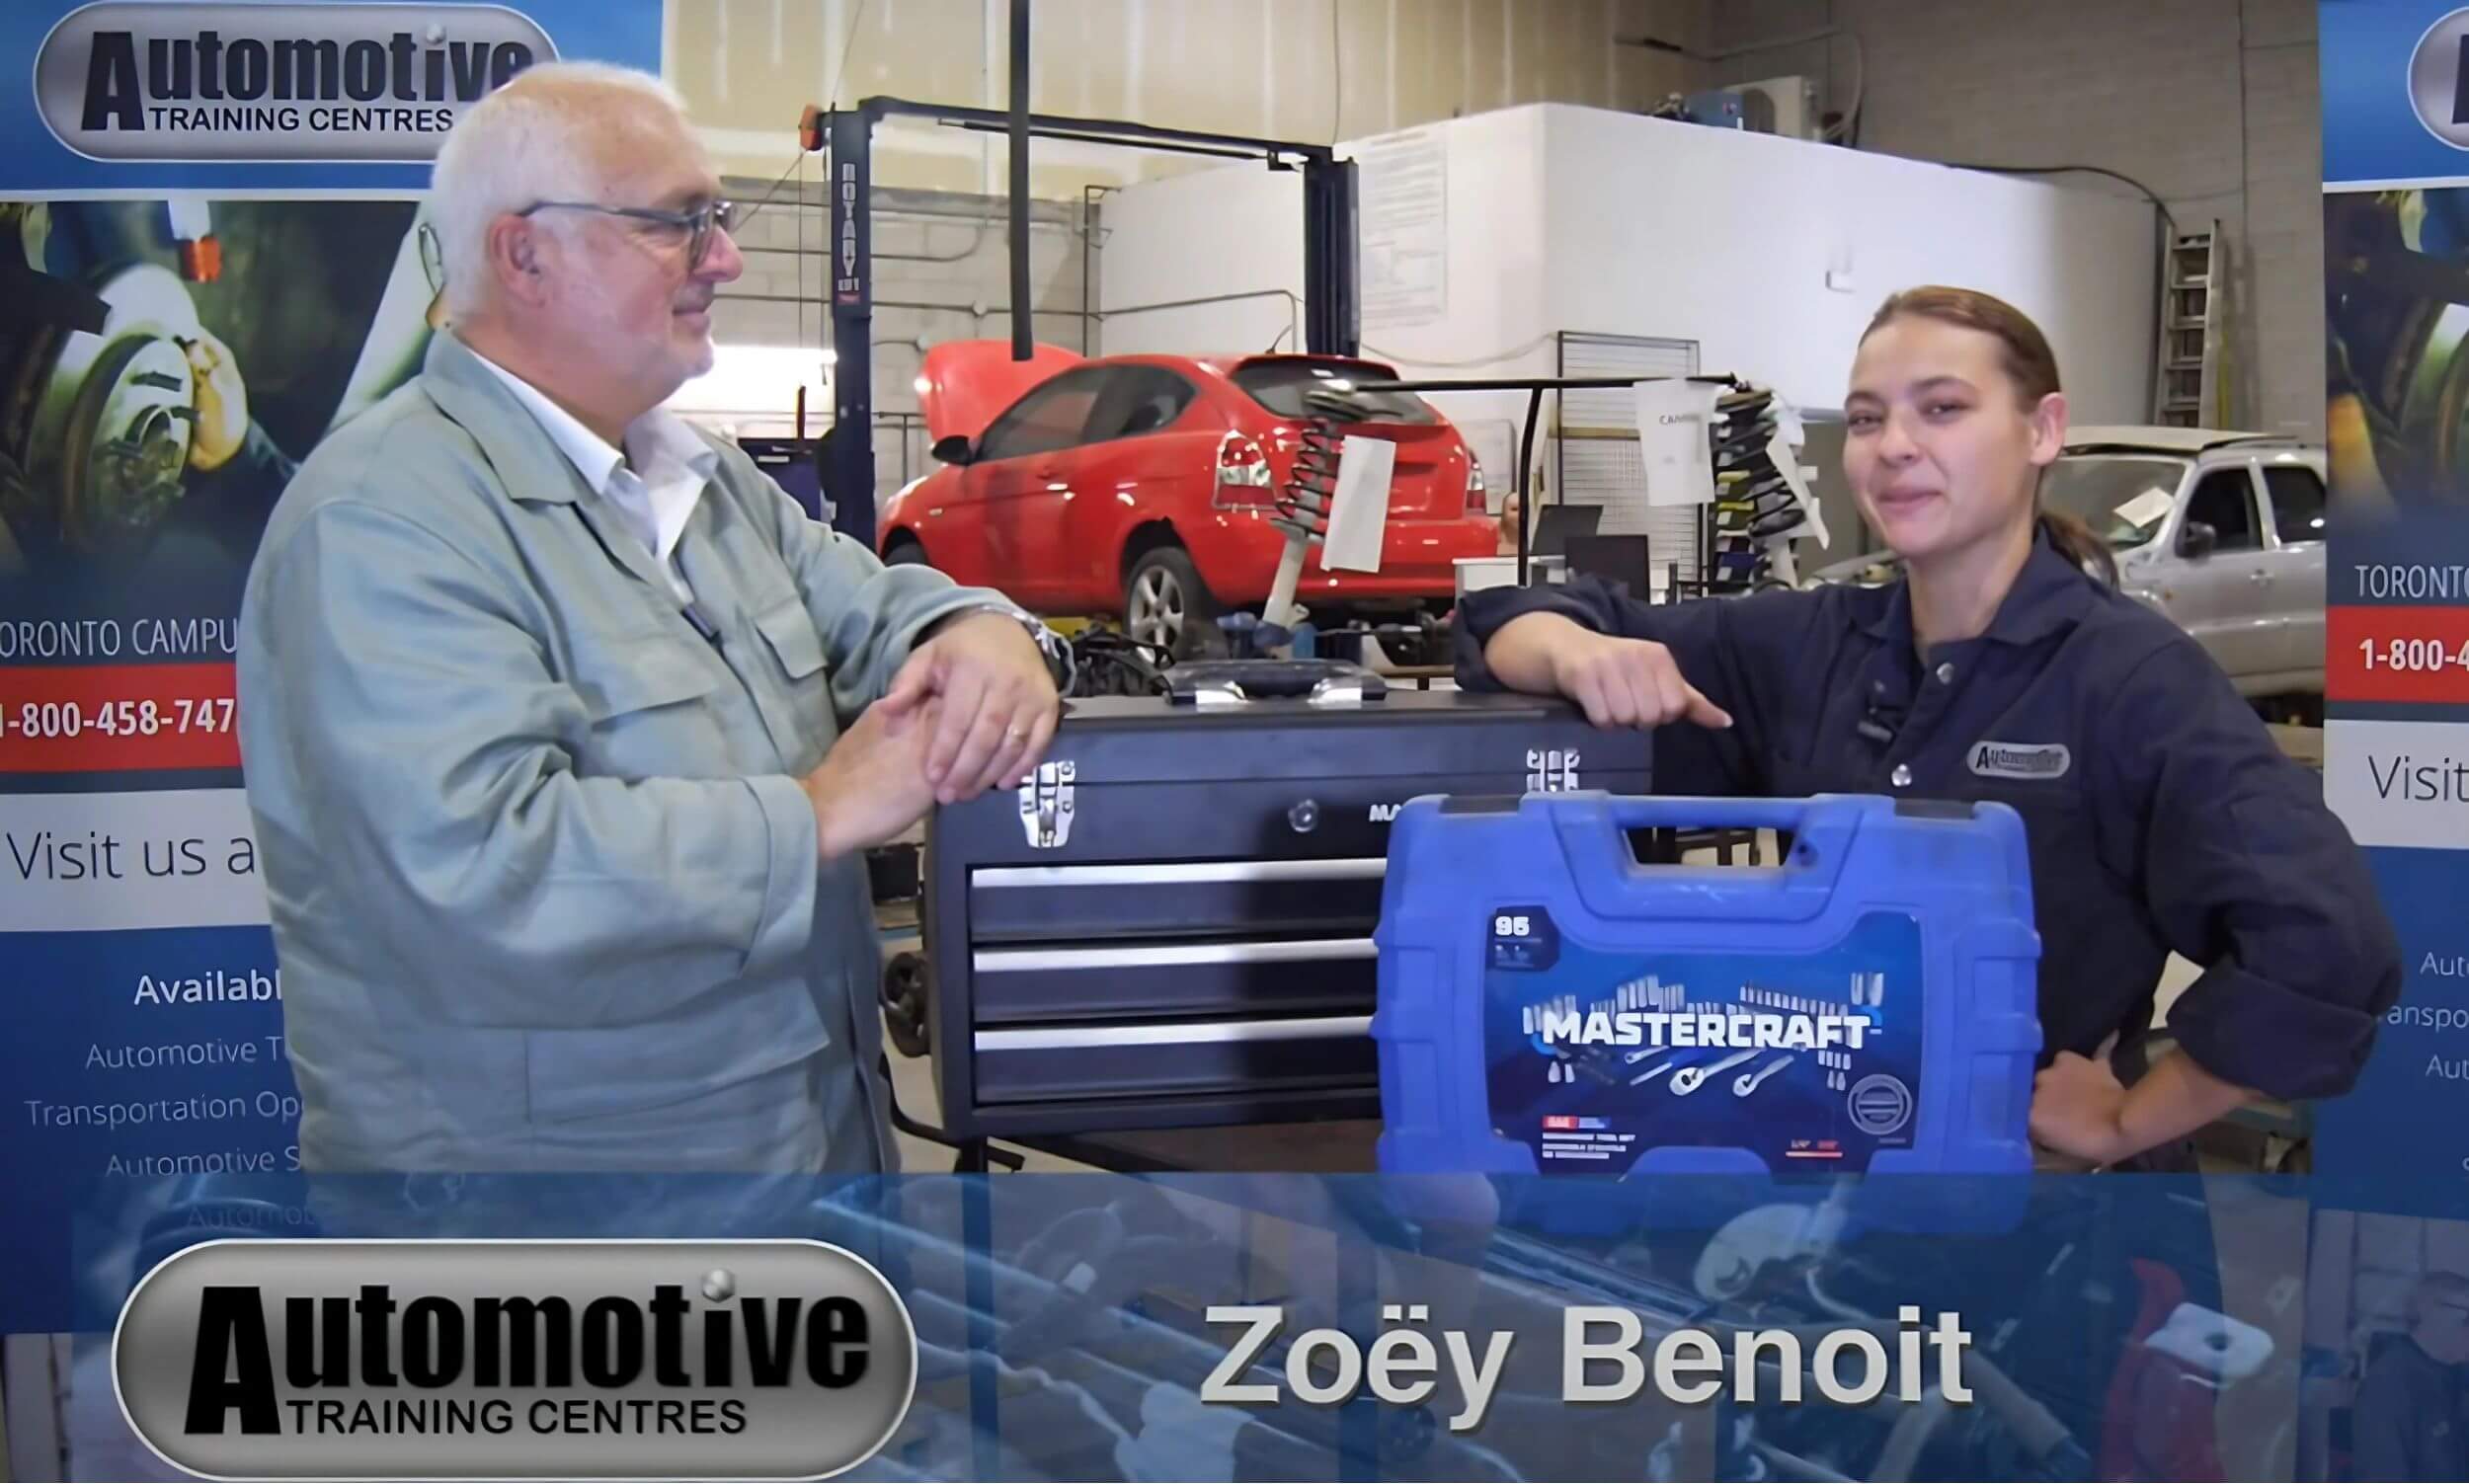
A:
[1192,1033]
[1180,873]
[1171,955]
[1327,683]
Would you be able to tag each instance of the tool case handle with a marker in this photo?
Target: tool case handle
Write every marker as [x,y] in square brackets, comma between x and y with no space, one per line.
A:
[1594,834]
[1225,682]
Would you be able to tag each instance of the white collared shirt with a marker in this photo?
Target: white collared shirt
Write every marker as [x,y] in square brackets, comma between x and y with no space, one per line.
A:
[655,504]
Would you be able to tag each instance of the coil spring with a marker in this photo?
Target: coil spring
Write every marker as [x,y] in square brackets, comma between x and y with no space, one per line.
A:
[1304,503]
[1747,473]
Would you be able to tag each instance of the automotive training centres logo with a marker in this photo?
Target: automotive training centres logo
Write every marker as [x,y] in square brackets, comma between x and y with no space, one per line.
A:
[242,83]
[2438,79]
[435,1360]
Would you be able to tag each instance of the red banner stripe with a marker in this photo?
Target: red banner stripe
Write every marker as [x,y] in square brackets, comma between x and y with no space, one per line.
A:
[2416,654]
[118,718]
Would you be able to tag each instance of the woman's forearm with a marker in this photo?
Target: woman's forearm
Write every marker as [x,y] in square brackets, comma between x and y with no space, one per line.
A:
[1519,653]
[2172,1100]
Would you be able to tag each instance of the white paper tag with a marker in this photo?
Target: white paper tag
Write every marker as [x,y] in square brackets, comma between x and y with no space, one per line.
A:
[1675,439]
[1359,509]
[1787,422]
[1787,464]
[2150,507]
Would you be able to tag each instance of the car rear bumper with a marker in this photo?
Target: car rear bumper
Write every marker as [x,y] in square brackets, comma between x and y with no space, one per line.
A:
[1238,558]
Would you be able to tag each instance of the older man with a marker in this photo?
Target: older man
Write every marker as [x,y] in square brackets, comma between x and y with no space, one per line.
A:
[2410,1418]
[565,730]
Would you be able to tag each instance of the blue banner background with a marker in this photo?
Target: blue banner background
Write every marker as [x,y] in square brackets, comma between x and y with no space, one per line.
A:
[2370,130]
[79,1004]
[295,306]
[2400,504]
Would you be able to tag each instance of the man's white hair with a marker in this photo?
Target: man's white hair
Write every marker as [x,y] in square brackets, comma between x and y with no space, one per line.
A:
[524,143]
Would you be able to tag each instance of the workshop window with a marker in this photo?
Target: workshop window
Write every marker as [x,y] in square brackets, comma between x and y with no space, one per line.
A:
[2296,502]
[2225,502]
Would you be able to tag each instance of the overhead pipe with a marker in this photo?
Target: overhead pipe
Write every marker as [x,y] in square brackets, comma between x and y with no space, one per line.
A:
[978,226]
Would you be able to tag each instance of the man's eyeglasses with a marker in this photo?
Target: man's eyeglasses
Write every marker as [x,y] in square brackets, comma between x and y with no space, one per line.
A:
[697,223]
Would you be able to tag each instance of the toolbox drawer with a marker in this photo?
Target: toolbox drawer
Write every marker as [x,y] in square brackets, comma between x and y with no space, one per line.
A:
[1120,982]
[1177,1058]
[1080,903]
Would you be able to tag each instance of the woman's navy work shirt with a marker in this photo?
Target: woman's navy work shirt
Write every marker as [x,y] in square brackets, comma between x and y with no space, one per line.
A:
[2160,813]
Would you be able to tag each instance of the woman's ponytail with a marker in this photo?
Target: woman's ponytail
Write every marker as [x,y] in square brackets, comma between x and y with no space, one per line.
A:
[2080,544]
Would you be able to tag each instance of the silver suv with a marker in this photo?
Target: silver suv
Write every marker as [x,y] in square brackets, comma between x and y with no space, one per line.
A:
[2222,531]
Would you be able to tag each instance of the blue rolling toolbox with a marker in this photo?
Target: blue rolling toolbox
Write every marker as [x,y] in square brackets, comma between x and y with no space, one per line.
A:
[1549,1006]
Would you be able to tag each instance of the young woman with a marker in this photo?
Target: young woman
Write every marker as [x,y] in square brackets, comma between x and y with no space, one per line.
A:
[2004,666]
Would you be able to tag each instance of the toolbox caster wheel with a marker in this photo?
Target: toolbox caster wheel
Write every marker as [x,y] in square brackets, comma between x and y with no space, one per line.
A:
[905,1003]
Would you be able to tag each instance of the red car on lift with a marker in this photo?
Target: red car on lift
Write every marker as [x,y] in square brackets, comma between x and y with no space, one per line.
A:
[1140,488]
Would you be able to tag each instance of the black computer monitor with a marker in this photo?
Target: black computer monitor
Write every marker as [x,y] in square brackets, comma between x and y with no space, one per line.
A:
[1558,525]
[1627,559]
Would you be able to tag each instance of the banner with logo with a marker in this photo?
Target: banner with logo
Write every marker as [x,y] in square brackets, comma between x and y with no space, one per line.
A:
[1055,1326]
[208,262]
[2396,254]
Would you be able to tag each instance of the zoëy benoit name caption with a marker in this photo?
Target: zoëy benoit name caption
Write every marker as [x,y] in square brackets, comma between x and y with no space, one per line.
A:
[1604,1358]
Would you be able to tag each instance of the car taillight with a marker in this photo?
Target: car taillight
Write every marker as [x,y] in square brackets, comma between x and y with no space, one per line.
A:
[1478,493]
[1243,472]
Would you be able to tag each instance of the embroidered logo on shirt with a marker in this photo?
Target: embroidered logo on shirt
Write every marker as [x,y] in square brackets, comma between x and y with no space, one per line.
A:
[2034,761]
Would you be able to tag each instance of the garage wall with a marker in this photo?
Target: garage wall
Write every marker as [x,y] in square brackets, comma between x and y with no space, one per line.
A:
[1211,261]
[1768,254]
[941,273]
[2213,103]
[747,67]
[1773,254]
[1290,69]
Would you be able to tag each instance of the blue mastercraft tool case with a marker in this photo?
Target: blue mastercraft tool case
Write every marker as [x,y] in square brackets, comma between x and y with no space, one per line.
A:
[1547,1005]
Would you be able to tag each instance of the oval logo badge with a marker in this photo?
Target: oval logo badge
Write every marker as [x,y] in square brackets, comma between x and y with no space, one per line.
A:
[2024,760]
[614,1359]
[2438,79]
[291,84]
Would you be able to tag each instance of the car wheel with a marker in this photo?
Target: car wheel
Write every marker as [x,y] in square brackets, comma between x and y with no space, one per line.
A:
[1165,604]
[906,551]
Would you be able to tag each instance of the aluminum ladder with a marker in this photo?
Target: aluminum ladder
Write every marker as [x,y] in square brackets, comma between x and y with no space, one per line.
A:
[2189,388]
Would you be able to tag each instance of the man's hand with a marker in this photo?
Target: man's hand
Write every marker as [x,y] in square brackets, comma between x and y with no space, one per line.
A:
[2078,1109]
[872,785]
[995,704]
[222,401]
[1627,682]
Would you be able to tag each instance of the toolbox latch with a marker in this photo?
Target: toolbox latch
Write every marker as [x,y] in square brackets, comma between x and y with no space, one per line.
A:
[1046,805]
